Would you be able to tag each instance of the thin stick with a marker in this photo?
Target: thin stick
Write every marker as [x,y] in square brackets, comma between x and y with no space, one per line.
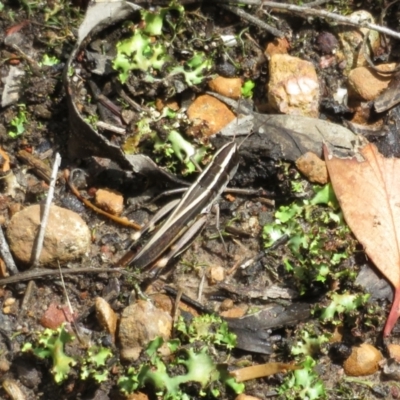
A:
[242,14]
[46,211]
[111,128]
[305,11]
[6,255]
[316,3]
[40,273]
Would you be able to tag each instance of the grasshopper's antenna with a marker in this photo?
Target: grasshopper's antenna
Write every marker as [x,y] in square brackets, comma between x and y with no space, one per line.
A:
[250,131]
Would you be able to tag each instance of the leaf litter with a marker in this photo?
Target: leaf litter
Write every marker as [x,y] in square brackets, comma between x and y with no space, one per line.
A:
[369,195]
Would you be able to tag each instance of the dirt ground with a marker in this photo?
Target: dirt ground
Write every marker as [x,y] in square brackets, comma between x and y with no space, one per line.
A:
[306,298]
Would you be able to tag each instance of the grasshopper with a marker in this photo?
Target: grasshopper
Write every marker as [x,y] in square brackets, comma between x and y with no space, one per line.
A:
[188,215]
[194,205]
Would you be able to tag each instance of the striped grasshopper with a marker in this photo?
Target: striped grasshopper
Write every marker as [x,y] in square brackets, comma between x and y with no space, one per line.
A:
[195,205]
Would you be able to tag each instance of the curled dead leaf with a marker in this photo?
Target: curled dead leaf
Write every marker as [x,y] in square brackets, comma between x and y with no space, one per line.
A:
[369,194]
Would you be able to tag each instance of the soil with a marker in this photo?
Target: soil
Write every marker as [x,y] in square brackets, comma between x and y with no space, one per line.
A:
[30,31]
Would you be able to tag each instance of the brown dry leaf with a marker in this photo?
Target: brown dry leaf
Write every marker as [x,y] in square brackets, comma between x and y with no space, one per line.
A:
[369,195]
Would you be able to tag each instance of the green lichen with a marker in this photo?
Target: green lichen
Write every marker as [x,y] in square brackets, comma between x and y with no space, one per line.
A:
[303,383]
[317,238]
[186,365]
[51,345]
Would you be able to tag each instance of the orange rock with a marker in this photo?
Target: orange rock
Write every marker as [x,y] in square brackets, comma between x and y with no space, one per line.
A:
[235,312]
[106,316]
[209,109]
[4,161]
[313,168]
[293,87]
[55,315]
[163,302]
[110,201]
[137,396]
[277,46]
[226,305]
[228,87]
[367,84]
[364,360]
[215,274]
[394,351]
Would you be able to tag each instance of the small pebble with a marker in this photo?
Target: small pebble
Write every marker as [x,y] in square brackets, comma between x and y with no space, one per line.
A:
[55,315]
[137,396]
[351,53]
[326,42]
[110,201]
[228,87]
[364,360]
[4,365]
[293,87]
[244,396]
[394,351]
[140,323]
[235,312]
[67,236]
[366,84]
[10,301]
[215,274]
[277,46]
[212,111]
[106,316]
[226,305]
[313,168]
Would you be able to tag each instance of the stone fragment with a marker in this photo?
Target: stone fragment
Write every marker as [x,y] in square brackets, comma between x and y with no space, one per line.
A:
[244,396]
[140,323]
[212,111]
[277,46]
[394,351]
[4,161]
[235,312]
[313,168]
[163,302]
[106,316]
[228,87]
[293,87]
[363,360]
[13,389]
[391,370]
[366,84]
[137,396]
[110,201]
[352,53]
[216,274]
[326,43]
[67,236]
[56,315]
[226,305]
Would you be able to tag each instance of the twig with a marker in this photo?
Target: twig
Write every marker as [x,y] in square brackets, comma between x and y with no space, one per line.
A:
[40,273]
[6,255]
[123,221]
[316,3]
[41,169]
[353,21]
[242,14]
[46,211]
[111,128]
[248,2]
